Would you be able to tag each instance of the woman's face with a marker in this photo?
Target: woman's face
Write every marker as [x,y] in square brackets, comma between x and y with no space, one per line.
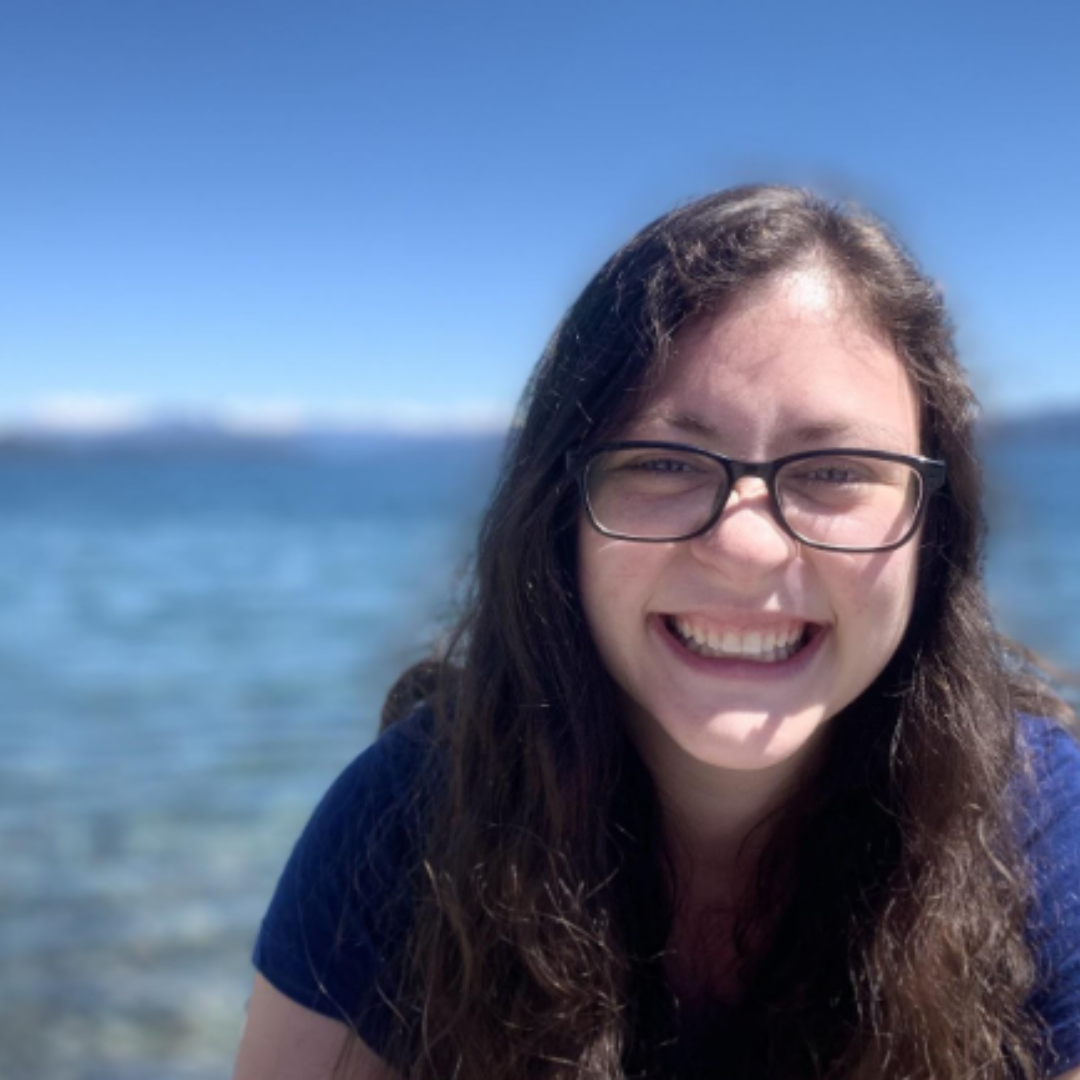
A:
[790,367]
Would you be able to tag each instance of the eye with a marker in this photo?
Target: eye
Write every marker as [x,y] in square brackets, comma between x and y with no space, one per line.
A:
[846,483]
[657,461]
[660,470]
[837,472]
[833,474]
[661,464]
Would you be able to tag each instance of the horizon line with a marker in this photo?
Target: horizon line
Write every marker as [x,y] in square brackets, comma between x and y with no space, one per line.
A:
[90,416]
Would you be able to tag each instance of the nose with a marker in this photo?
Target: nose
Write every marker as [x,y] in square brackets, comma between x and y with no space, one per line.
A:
[747,537]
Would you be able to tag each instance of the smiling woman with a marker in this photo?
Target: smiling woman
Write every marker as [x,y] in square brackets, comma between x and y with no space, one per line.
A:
[724,770]
[742,377]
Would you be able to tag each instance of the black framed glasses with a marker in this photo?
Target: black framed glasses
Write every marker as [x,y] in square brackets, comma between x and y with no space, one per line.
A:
[835,500]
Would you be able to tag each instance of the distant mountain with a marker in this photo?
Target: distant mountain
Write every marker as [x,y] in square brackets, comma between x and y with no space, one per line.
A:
[210,434]
[156,437]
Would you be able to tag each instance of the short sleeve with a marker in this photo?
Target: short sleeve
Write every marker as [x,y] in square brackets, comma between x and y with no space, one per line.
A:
[1053,847]
[340,916]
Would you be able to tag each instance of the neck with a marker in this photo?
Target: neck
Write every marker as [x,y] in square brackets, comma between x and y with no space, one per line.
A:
[716,821]
[716,824]
[716,828]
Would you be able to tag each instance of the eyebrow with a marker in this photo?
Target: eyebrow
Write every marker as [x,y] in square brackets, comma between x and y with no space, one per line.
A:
[863,433]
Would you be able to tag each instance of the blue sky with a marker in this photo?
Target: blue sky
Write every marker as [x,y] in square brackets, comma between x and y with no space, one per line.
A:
[384,207]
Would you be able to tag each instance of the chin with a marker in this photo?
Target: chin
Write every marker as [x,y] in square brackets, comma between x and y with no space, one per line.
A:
[735,741]
[765,745]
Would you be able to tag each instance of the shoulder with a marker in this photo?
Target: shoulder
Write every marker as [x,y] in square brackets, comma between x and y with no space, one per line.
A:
[369,817]
[1050,811]
[1050,830]
[1050,799]
[1050,745]
[342,910]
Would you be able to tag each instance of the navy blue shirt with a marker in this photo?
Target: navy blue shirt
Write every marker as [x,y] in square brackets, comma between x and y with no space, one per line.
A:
[342,910]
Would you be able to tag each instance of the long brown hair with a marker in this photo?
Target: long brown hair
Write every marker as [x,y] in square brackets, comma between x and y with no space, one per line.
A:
[893,892]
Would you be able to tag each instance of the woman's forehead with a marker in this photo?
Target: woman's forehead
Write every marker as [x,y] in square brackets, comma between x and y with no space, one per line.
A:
[794,358]
[808,292]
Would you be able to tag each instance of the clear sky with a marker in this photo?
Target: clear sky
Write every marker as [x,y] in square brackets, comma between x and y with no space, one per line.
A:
[385,205]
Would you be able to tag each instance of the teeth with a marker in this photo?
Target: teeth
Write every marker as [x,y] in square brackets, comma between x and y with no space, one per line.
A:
[765,646]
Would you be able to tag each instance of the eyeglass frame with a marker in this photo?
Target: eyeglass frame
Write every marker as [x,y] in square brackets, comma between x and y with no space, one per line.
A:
[931,472]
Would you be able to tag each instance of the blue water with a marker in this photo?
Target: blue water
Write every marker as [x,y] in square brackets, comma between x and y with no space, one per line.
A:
[191,646]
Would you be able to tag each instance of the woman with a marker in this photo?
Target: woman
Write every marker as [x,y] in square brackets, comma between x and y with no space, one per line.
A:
[725,771]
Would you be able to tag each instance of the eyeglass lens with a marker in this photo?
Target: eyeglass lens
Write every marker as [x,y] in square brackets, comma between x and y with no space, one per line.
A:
[845,500]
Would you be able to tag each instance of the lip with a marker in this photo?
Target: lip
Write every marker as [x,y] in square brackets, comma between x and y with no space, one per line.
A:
[748,670]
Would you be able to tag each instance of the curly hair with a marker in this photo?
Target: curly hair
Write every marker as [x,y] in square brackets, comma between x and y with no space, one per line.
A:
[884,936]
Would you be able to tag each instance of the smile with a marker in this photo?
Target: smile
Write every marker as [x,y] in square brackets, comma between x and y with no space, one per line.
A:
[770,645]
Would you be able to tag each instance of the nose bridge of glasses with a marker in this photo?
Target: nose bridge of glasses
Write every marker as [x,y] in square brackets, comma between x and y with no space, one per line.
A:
[747,479]
[748,488]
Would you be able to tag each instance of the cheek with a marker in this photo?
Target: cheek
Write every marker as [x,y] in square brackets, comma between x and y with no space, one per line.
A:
[592,587]
[906,582]
[614,583]
[603,582]
[880,598]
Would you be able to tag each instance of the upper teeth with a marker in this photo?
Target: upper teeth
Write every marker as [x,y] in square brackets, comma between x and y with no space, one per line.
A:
[775,643]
